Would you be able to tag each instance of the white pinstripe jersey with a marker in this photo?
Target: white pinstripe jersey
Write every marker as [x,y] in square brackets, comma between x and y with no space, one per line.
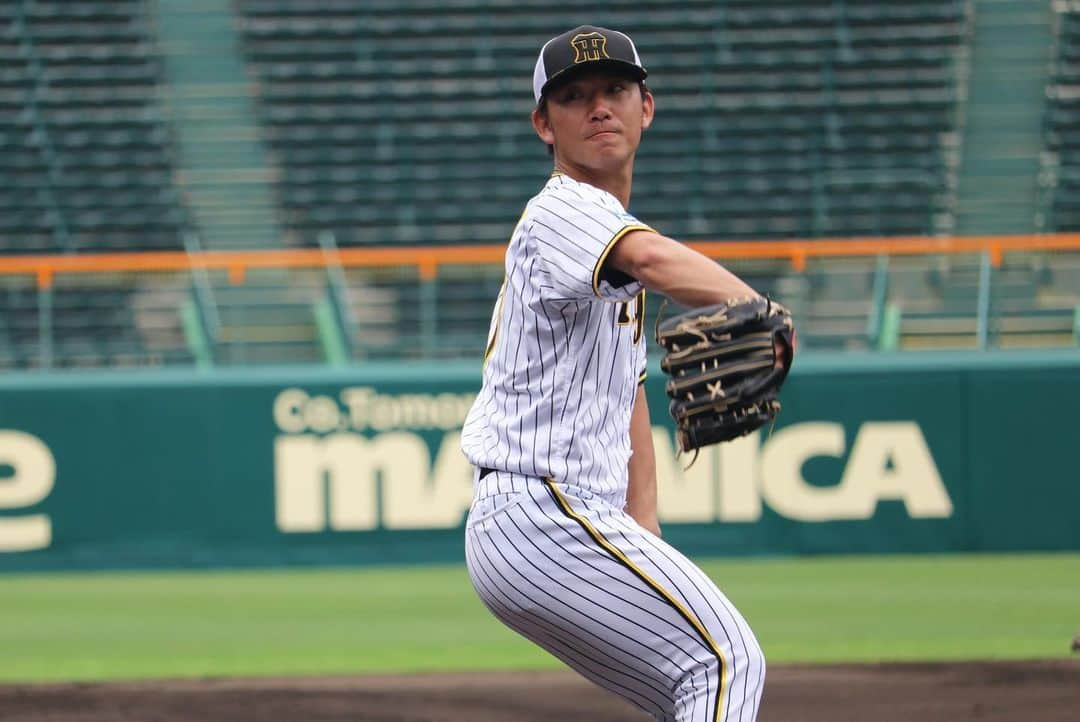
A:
[566,350]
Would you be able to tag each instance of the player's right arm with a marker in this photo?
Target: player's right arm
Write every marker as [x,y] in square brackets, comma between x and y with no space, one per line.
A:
[679,272]
[641,470]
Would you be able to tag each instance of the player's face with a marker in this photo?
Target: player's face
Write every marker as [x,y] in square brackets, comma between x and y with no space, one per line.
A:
[595,121]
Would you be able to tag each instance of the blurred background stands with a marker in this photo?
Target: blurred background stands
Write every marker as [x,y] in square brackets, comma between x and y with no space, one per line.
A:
[241,124]
[792,119]
[408,121]
[87,166]
[87,154]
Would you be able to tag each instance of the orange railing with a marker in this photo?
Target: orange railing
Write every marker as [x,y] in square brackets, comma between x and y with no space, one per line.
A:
[429,258]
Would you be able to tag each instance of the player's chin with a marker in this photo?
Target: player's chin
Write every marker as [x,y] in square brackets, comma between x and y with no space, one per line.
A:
[613,158]
[621,147]
[615,149]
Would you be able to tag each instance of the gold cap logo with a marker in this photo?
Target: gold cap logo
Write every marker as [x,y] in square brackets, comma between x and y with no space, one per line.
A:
[589,46]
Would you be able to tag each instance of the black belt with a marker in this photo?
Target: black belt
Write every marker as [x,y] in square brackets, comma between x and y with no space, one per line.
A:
[484,471]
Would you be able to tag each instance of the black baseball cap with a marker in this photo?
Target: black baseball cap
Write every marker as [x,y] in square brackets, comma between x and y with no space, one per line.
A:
[585,46]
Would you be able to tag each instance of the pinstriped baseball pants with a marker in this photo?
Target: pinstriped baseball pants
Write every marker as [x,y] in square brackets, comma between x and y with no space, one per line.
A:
[575,574]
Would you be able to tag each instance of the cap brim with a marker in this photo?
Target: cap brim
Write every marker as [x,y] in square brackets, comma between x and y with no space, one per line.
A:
[565,75]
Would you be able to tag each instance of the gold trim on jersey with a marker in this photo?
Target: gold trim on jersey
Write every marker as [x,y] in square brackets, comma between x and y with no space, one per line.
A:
[644,375]
[620,557]
[496,321]
[607,249]
[623,317]
[639,330]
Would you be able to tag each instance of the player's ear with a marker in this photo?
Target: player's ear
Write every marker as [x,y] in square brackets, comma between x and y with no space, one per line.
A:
[648,108]
[543,126]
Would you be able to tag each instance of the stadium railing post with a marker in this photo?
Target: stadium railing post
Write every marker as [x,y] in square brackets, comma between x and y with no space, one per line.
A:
[983,308]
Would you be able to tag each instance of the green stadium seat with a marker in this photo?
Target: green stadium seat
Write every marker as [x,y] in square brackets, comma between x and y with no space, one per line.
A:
[748,92]
[92,151]
[1060,172]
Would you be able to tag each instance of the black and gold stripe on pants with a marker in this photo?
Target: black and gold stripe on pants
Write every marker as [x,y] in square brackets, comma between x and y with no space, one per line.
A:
[670,599]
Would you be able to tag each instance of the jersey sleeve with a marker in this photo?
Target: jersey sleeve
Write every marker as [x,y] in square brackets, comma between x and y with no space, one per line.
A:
[573,232]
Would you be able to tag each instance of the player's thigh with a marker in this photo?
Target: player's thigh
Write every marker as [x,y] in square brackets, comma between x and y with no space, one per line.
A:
[540,576]
[536,560]
[706,612]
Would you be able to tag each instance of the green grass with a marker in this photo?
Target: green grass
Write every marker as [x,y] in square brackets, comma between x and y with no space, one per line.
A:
[304,622]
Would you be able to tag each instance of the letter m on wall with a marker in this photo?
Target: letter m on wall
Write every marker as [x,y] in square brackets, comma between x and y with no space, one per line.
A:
[324,481]
[346,482]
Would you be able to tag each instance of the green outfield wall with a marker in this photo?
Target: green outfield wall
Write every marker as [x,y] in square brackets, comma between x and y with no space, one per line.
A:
[874,453]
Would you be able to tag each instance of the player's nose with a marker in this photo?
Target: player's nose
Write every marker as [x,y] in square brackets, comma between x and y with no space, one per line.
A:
[599,109]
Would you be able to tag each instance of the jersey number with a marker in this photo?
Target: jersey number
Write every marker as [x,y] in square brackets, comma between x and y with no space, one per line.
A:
[636,317]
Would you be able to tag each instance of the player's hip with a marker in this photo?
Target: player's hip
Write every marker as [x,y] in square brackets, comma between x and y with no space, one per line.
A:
[495,490]
[526,547]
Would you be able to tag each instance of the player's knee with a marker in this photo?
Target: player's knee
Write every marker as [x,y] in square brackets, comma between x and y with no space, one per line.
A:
[756,663]
[697,690]
[739,674]
[751,671]
[747,665]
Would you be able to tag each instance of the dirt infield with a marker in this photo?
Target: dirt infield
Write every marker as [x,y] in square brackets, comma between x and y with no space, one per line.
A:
[988,692]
